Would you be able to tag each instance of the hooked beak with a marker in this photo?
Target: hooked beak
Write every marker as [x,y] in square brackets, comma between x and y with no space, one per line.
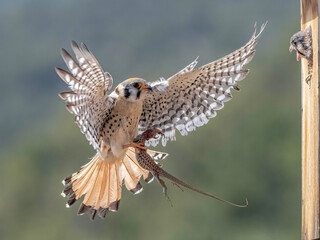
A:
[146,87]
[291,48]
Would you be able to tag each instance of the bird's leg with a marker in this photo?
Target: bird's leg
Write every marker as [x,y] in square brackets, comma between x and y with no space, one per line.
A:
[137,146]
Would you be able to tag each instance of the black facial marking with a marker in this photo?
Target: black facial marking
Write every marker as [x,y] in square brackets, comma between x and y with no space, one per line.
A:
[138,94]
[126,92]
[301,53]
[117,91]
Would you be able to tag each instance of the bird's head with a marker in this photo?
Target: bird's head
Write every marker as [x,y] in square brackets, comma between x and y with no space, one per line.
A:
[296,43]
[133,89]
[302,43]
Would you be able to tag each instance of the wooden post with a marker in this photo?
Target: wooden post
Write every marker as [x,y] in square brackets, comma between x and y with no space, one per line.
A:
[310,129]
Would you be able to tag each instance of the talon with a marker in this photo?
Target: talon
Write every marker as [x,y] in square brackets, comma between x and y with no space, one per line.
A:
[140,146]
[137,146]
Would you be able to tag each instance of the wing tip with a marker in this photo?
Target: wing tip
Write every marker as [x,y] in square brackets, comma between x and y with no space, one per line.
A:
[76,49]
[74,43]
[64,53]
[59,71]
[254,36]
[63,96]
[84,47]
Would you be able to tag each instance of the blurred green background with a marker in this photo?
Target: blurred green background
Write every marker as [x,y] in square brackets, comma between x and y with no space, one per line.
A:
[251,149]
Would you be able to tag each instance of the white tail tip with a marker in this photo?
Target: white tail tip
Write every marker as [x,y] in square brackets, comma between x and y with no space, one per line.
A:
[139,191]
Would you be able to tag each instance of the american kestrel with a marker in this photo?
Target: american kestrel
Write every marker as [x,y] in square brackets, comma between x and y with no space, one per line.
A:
[301,42]
[146,162]
[110,122]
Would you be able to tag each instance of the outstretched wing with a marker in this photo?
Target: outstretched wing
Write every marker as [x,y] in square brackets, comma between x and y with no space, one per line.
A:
[88,100]
[192,96]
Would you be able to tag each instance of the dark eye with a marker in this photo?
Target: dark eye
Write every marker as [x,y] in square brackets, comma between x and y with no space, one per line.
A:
[137,85]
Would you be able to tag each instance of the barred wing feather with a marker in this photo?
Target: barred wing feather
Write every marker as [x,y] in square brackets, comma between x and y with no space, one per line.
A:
[191,97]
[89,100]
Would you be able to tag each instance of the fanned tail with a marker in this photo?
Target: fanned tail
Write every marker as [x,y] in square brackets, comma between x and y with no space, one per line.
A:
[101,182]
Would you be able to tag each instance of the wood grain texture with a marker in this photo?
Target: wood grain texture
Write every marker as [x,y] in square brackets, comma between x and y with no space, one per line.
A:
[310,129]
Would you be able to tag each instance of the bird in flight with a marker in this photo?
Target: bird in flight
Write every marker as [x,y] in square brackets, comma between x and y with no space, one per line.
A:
[111,120]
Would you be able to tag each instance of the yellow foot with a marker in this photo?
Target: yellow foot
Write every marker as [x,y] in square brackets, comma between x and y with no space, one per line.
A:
[136,146]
